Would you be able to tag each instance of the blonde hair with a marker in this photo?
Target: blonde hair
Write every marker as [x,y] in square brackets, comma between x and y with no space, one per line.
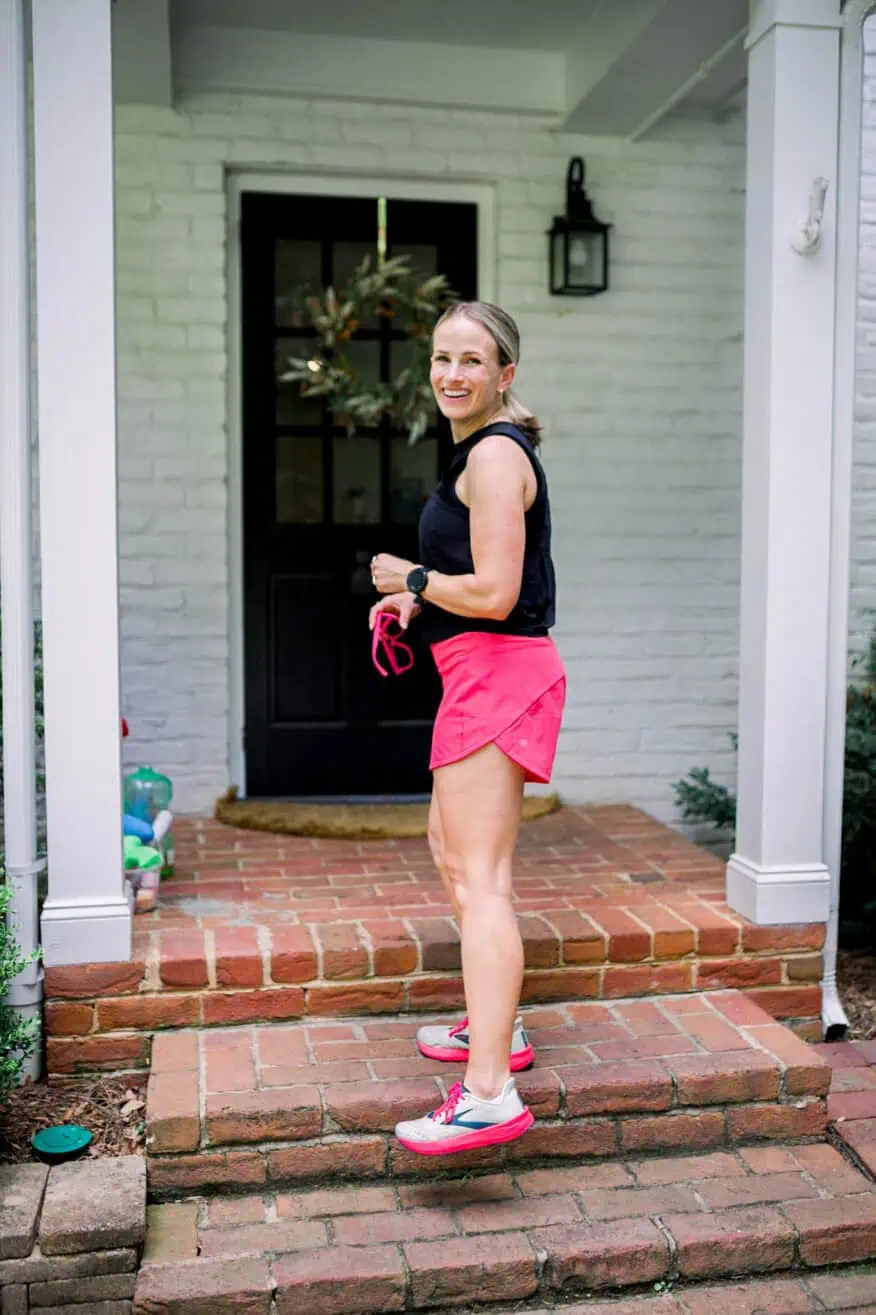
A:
[505,334]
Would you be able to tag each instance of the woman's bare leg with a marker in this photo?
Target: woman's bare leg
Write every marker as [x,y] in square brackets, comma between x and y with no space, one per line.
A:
[436,847]
[480,801]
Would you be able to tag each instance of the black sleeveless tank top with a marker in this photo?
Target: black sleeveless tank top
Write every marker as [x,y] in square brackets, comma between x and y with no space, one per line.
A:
[445,546]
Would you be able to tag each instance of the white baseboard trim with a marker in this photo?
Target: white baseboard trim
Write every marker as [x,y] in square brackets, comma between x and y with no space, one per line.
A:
[87,931]
[773,896]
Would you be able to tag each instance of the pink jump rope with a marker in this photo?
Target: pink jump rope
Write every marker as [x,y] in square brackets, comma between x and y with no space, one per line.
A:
[387,636]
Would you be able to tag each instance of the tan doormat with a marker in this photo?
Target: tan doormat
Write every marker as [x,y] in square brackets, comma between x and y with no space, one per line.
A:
[346,821]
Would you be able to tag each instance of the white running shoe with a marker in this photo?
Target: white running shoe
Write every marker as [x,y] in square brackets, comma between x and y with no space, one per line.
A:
[450,1044]
[465,1122]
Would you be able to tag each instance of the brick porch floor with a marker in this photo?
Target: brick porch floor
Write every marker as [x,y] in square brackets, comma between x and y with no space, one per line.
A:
[258,927]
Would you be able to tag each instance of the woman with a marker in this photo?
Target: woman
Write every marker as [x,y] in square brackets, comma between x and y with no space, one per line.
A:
[485,591]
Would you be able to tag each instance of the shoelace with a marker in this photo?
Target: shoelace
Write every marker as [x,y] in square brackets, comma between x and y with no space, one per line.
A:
[387,636]
[460,1027]
[445,1112]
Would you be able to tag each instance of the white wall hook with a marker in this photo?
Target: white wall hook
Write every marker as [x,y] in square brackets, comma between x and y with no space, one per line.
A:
[808,240]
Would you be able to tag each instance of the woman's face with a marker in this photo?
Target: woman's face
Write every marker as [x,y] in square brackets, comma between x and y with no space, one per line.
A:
[466,377]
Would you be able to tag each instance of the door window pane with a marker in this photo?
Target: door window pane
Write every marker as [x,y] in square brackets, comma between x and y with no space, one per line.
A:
[363,357]
[299,480]
[357,481]
[421,258]
[412,479]
[292,408]
[297,266]
[346,256]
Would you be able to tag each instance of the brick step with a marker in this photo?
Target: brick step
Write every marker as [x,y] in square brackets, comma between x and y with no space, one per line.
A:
[260,928]
[533,1236]
[285,1103]
[102,1017]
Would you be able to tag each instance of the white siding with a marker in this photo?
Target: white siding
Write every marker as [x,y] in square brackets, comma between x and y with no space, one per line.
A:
[640,391]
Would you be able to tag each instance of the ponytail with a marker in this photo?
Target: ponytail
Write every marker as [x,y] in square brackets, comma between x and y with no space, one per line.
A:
[523,418]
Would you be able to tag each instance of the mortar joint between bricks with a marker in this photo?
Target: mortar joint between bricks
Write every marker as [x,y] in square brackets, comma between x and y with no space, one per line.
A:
[263,941]
[151,972]
[308,1044]
[366,943]
[849,1154]
[672,1270]
[317,945]
[210,956]
[563,1106]
[650,957]
[676,1098]
[797,1258]
[202,1088]
[327,1124]
[541,1265]
[408,1294]
[406,922]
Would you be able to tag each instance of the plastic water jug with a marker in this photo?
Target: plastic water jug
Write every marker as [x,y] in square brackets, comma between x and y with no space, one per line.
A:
[147,797]
[147,793]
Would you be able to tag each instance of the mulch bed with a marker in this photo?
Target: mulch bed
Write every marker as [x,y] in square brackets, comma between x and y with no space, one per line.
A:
[112,1109]
[856,979]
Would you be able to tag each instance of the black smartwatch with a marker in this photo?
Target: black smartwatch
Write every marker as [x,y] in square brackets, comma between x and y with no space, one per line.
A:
[417,580]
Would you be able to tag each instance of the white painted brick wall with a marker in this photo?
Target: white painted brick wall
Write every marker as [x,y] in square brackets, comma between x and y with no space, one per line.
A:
[640,391]
[862,600]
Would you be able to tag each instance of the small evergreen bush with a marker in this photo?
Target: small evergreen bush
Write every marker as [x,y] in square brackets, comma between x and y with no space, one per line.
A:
[18,1038]
[703,800]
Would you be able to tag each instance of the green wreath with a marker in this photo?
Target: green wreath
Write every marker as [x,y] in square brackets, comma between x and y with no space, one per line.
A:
[391,290]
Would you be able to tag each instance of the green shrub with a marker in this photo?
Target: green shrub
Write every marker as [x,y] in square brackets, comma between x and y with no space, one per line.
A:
[18,1038]
[702,800]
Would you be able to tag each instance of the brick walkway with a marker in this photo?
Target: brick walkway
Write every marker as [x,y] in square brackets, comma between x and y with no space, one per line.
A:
[259,928]
[536,1233]
[852,1102]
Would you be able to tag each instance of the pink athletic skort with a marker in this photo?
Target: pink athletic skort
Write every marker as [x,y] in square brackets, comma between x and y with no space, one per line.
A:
[506,690]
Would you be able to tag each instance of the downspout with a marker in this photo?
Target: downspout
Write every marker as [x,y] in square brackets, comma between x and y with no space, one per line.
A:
[25,993]
[834,1020]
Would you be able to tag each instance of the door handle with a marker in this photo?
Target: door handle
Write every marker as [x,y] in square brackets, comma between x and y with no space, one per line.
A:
[360,577]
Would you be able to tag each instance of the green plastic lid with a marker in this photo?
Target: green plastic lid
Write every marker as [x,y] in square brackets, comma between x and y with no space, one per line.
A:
[63,1142]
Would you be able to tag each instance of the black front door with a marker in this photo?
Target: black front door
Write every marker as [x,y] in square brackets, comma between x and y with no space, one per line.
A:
[317,505]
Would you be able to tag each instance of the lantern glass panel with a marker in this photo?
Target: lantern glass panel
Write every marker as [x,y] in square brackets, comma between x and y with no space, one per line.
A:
[586,260]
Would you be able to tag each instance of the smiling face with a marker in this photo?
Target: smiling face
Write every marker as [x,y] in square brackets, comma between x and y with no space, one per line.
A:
[466,377]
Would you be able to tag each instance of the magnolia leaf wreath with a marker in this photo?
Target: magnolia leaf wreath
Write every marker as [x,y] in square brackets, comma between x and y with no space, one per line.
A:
[393,291]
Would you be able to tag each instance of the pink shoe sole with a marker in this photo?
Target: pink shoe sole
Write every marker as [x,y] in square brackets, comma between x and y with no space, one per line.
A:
[523,1059]
[473,1141]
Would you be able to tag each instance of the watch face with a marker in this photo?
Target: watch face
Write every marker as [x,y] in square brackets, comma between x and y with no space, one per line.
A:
[417,579]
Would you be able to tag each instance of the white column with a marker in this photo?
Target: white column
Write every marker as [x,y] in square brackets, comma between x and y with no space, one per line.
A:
[87,916]
[16,493]
[778,873]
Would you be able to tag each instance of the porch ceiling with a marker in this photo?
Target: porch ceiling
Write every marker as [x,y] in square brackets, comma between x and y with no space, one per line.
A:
[606,67]
[513,24]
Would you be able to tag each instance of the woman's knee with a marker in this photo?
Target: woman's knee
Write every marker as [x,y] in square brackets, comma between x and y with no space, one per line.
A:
[473,881]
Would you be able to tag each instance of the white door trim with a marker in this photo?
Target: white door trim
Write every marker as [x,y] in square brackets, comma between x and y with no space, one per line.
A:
[314,184]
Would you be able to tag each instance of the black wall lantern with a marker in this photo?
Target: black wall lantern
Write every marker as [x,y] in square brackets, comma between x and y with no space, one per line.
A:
[578,242]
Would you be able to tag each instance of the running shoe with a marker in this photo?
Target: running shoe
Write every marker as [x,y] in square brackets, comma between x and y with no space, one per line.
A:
[465,1122]
[450,1044]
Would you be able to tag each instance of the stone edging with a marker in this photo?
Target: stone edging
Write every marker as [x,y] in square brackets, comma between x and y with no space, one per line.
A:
[71,1235]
